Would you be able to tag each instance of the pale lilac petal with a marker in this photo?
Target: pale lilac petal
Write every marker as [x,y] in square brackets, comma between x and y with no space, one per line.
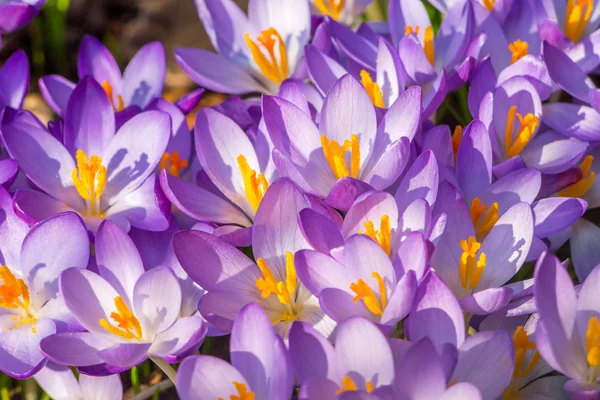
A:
[20,355]
[573,120]
[552,215]
[420,373]
[522,185]
[486,301]
[311,353]
[401,300]
[56,91]
[124,355]
[324,71]
[14,79]
[406,13]
[12,232]
[184,334]
[74,348]
[585,251]
[421,181]
[474,161]
[58,381]
[144,77]
[101,388]
[95,60]
[320,232]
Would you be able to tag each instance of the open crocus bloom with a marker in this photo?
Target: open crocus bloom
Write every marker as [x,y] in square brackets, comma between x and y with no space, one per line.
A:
[255,52]
[568,332]
[31,307]
[348,142]
[129,314]
[475,269]
[232,280]
[260,365]
[360,361]
[14,80]
[60,383]
[240,169]
[358,280]
[94,171]
[345,11]
[142,81]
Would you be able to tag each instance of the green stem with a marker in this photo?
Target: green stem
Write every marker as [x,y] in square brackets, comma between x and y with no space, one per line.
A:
[165,367]
[4,386]
[151,392]
[135,379]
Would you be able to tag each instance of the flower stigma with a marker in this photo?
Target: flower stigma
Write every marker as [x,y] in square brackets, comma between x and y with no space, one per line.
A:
[348,385]
[518,49]
[14,294]
[471,268]
[334,154]
[173,163]
[128,326]
[242,392]
[368,296]
[255,185]
[483,217]
[383,236]
[525,131]
[581,187]
[428,42]
[577,16]
[285,291]
[332,8]
[372,88]
[109,92]
[272,67]
[90,179]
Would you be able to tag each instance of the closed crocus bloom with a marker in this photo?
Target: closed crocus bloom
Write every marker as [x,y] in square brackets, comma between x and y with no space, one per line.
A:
[347,143]
[94,171]
[256,53]
[14,80]
[31,307]
[260,365]
[141,82]
[361,360]
[129,314]
[567,334]
[59,382]
[271,282]
[15,14]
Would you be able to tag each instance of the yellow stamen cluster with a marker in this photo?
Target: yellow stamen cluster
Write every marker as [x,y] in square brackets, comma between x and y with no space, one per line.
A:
[489,4]
[525,131]
[14,294]
[368,296]
[592,342]
[522,344]
[484,218]
[372,88]
[518,49]
[332,8]
[348,385]
[272,67]
[173,163]
[383,236]
[588,176]
[110,92]
[456,139]
[255,185]
[334,154]
[89,178]
[128,326]
[243,393]
[471,268]
[269,285]
[428,40]
[577,17]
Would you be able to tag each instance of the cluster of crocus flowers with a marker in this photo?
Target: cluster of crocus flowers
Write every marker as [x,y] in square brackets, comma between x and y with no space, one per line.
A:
[379,217]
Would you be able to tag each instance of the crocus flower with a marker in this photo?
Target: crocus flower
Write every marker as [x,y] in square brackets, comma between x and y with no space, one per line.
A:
[345,11]
[358,280]
[255,52]
[129,313]
[260,365]
[240,169]
[347,142]
[232,280]
[141,82]
[360,361]
[473,269]
[15,14]
[31,307]
[95,172]
[568,331]
[59,382]
[14,79]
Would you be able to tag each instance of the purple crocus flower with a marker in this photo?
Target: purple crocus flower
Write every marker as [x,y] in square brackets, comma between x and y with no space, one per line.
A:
[142,81]
[31,307]
[360,361]
[232,280]
[345,11]
[14,79]
[568,331]
[240,169]
[260,365]
[359,279]
[15,14]
[129,313]
[93,171]
[59,382]
[347,143]
[255,52]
